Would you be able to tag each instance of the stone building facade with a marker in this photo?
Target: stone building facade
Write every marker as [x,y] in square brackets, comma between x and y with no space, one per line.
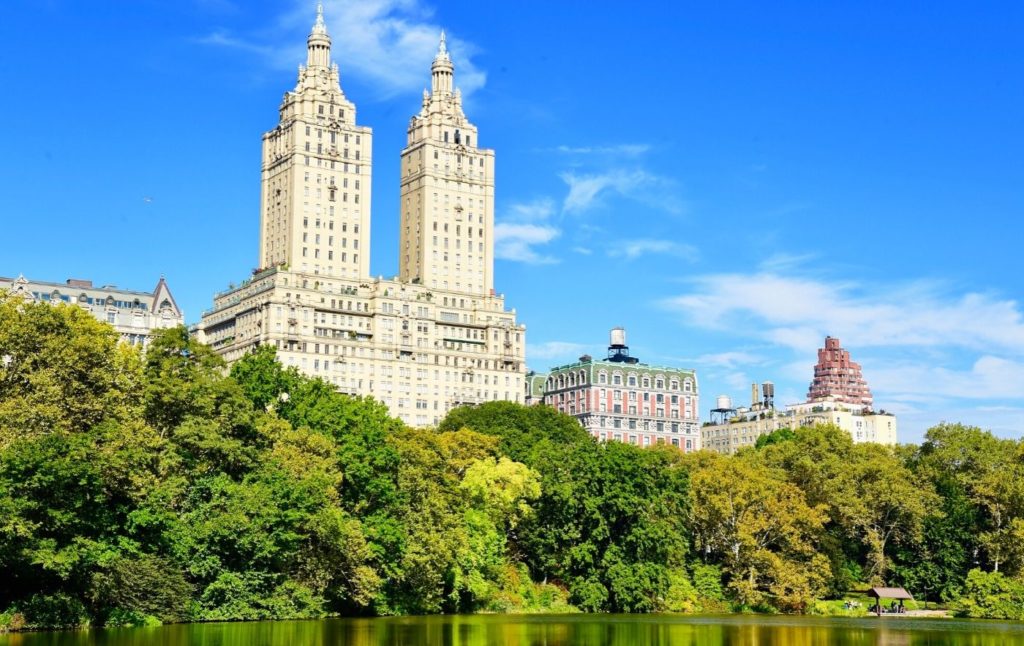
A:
[838,395]
[839,378]
[743,429]
[620,398]
[134,314]
[435,337]
[447,194]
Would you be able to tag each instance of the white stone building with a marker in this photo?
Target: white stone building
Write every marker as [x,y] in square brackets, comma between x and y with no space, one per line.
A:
[748,424]
[133,314]
[435,337]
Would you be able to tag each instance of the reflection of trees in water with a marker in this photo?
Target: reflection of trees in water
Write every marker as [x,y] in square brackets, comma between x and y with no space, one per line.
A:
[552,630]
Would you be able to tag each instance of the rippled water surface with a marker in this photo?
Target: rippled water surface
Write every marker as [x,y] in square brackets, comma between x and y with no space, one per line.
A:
[552,630]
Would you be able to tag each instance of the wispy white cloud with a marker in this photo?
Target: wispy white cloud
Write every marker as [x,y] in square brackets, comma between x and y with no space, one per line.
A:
[524,228]
[589,190]
[393,41]
[799,312]
[631,249]
[627,150]
[555,350]
[584,251]
[516,242]
[540,209]
[782,261]
[729,359]
[388,43]
[989,377]
[221,38]
[928,353]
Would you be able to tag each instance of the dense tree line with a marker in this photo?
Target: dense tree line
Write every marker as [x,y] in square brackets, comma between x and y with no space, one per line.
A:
[141,488]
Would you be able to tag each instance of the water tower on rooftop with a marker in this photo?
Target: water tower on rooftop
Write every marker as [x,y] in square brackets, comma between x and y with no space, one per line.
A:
[618,351]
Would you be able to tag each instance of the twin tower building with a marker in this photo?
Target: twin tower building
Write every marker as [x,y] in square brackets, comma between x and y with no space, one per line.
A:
[435,337]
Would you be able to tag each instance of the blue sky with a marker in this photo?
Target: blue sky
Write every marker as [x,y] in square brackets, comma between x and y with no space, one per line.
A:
[730,181]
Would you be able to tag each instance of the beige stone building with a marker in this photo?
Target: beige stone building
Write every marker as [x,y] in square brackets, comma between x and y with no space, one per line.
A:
[447,199]
[748,424]
[315,189]
[435,337]
[134,314]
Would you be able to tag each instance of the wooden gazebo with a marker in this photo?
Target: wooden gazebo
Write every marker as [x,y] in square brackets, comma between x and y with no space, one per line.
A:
[896,594]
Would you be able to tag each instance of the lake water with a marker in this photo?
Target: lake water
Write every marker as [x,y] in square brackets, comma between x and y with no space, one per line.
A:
[553,630]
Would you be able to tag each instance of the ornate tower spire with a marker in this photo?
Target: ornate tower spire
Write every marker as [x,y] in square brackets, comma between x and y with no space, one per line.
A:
[319,27]
[317,167]
[447,213]
[442,70]
[442,48]
[319,42]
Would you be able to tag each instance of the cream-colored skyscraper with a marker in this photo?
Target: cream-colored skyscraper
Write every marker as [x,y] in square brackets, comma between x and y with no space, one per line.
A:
[447,200]
[434,338]
[315,202]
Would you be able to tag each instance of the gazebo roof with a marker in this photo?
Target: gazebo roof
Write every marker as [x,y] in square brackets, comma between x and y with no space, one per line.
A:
[889,593]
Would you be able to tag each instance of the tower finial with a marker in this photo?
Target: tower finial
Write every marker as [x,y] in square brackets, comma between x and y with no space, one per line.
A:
[442,48]
[320,27]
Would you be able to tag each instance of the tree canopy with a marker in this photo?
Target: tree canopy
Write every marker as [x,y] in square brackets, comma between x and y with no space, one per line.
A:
[139,488]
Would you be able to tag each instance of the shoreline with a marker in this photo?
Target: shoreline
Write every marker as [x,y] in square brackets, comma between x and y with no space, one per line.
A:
[910,614]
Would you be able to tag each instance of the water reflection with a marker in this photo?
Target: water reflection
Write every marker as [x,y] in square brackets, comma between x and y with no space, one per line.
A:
[534,630]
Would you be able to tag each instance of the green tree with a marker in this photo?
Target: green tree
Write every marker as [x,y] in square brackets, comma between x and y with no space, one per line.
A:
[610,522]
[428,576]
[62,371]
[989,472]
[143,584]
[263,379]
[874,502]
[991,595]
[761,528]
[521,429]
[775,437]
[879,501]
[181,378]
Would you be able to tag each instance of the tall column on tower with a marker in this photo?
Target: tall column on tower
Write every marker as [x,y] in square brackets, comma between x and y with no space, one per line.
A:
[446,237]
[316,175]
